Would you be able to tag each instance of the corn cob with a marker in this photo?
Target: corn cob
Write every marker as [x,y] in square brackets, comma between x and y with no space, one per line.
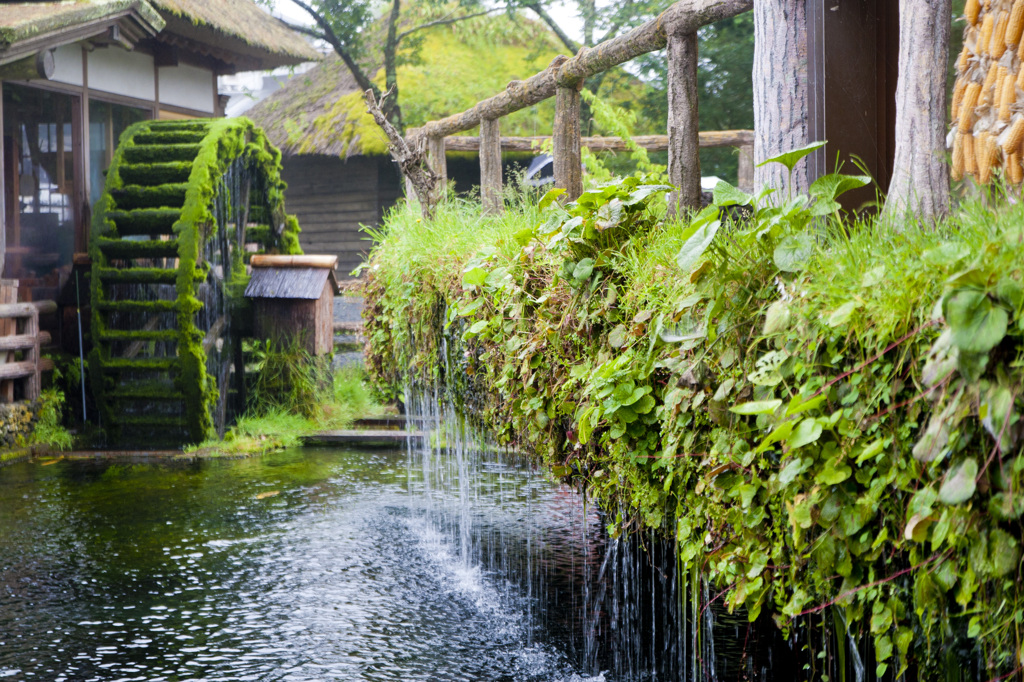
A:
[1015,26]
[1015,170]
[1020,79]
[997,87]
[1007,98]
[970,162]
[971,10]
[961,63]
[988,27]
[968,105]
[1011,145]
[958,97]
[958,157]
[988,87]
[998,45]
[983,152]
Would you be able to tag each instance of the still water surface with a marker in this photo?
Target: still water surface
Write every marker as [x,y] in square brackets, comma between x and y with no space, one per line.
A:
[302,565]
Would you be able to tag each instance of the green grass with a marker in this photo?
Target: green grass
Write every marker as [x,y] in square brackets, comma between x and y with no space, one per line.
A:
[275,427]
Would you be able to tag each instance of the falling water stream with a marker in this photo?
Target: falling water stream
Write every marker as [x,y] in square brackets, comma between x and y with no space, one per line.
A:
[447,560]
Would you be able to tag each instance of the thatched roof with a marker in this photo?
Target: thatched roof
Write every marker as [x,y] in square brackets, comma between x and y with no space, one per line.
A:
[235,31]
[26,27]
[322,111]
[239,26]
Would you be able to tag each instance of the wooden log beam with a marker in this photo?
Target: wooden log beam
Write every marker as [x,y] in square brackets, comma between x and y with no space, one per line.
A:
[683,139]
[23,341]
[438,164]
[566,143]
[18,370]
[490,166]
[652,143]
[685,16]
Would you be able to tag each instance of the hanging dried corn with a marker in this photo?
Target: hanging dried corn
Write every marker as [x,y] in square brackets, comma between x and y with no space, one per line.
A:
[987,108]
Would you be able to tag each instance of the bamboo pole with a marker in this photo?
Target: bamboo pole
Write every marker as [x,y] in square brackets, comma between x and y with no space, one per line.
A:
[490,166]
[683,140]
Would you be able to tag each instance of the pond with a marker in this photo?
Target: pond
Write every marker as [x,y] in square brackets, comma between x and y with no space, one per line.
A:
[301,565]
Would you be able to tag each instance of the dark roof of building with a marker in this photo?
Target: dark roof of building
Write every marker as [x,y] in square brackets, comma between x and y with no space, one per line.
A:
[289,282]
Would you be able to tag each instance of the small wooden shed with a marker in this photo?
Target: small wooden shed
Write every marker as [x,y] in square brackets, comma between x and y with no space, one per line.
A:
[293,298]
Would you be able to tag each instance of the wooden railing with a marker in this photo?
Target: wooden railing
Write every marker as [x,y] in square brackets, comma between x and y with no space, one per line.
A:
[675,28]
[23,338]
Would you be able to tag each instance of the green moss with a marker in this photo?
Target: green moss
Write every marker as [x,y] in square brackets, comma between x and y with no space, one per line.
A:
[349,122]
[220,143]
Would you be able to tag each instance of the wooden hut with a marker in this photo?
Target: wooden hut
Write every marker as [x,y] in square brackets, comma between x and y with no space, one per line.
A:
[293,298]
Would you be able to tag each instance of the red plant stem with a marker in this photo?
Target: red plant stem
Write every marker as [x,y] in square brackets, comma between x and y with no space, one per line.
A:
[999,439]
[867,362]
[917,397]
[880,581]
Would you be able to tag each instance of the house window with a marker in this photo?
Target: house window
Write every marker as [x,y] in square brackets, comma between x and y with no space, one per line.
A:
[106,123]
[40,140]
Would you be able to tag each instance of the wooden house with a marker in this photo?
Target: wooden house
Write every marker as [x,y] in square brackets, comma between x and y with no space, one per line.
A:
[74,75]
[293,300]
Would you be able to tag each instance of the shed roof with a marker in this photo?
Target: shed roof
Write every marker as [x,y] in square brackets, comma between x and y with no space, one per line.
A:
[290,282]
[236,31]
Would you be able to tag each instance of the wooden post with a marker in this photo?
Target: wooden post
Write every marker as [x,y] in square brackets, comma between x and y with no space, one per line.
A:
[490,166]
[566,141]
[745,171]
[33,383]
[437,162]
[683,140]
[8,327]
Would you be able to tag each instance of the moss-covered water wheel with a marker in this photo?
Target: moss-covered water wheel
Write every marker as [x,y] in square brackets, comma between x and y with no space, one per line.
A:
[185,205]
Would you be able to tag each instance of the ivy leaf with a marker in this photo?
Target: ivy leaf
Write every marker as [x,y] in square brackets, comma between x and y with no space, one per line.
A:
[1004,552]
[583,270]
[586,427]
[727,195]
[833,474]
[757,407]
[478,327]
[873,277]
[998,409]
[644,405]
[470,307]
[777,318]
[959,486]
[474,277]
[696,244]
[806,433]
[978,325]
[917,528]
[644,191]
[843,313]
[617,337]
[829,187]
[793,251]
[550,197]
[791,158]
[781,432]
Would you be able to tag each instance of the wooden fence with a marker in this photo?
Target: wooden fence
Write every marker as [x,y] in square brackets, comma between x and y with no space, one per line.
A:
[20,342]
[675,28]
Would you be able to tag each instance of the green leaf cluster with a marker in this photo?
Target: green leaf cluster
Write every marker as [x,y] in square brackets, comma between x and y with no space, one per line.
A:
[822,412]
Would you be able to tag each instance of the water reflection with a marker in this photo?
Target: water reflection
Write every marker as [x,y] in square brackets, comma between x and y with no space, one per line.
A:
[138,571]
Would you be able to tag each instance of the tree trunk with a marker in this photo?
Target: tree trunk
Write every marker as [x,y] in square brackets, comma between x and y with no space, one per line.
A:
[683,140]
[920,177]
[781,102]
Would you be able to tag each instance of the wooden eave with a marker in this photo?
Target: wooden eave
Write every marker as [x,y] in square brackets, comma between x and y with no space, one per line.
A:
[133,25]
[233,52]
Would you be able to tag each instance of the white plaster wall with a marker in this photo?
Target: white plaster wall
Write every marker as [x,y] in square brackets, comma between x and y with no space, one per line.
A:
[67,64]
[187,86]
[114,70]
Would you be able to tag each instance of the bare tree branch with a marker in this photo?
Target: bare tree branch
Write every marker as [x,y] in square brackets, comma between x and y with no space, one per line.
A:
[305,30]
[447,20]
[554,26]
[329,35]
[410,160]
